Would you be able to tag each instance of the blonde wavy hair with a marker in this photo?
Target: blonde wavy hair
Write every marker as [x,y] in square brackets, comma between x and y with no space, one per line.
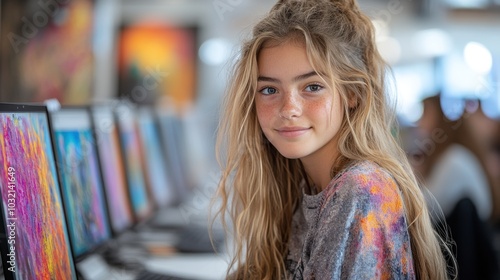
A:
[259,189]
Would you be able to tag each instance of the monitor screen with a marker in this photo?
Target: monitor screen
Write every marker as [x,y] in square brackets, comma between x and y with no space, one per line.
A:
[81,183]
[112,166]
[34,237]
[171,135]
[154,158]
[131,147]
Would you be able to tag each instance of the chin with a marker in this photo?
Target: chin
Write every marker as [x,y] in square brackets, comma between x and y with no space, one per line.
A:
[291,153]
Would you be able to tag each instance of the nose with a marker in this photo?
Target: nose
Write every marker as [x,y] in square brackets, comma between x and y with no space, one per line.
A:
[291,106]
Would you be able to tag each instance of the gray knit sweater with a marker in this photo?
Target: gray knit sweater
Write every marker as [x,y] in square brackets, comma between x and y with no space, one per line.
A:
[354,229]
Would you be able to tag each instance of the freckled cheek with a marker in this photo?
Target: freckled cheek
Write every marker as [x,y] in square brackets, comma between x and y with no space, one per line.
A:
[324,111]
[317,108]
[264,114]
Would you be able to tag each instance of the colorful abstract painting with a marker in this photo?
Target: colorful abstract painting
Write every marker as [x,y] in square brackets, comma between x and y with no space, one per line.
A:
[42,247]
[159,59]
[48,51]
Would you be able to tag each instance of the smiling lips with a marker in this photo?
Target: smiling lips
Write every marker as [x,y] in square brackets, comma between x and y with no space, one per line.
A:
[293,131]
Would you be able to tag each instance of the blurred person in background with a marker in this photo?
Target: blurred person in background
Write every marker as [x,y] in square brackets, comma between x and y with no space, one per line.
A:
[452,164]
[487,131]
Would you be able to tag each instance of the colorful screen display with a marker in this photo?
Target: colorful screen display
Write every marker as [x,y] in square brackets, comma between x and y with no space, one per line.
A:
[131,147]
[112,167]
[155,164]
[80,180]
[37,244]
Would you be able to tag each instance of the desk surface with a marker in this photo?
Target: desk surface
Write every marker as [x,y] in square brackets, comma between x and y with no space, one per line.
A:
[193,266]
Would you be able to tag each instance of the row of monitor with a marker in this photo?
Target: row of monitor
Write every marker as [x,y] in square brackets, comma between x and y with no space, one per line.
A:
[75,177]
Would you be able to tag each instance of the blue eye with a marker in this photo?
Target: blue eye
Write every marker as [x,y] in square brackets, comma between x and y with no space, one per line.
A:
[314,88]
[268,91]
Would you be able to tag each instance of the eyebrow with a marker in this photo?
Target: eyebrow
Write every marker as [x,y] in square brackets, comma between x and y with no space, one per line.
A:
[295,79]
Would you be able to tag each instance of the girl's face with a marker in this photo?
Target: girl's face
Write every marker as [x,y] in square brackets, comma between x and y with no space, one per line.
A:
[296,110]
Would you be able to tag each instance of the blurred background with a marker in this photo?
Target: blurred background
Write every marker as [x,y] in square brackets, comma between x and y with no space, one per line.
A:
[81,51]
[177,54]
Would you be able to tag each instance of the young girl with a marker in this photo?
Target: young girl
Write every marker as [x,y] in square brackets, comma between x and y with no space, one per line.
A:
[314,182]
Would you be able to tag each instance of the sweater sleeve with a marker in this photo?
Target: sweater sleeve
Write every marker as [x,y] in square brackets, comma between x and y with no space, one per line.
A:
[361,231]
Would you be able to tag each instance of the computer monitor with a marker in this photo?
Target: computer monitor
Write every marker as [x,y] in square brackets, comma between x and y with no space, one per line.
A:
[157,173]
[81,180]
[171,137]
[133,158]
[113,169]
[34,239]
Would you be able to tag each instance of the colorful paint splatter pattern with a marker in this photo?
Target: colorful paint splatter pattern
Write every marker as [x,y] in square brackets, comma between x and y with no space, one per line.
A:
[354,229]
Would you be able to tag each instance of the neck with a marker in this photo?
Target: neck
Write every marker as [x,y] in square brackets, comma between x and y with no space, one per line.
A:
[318,167]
